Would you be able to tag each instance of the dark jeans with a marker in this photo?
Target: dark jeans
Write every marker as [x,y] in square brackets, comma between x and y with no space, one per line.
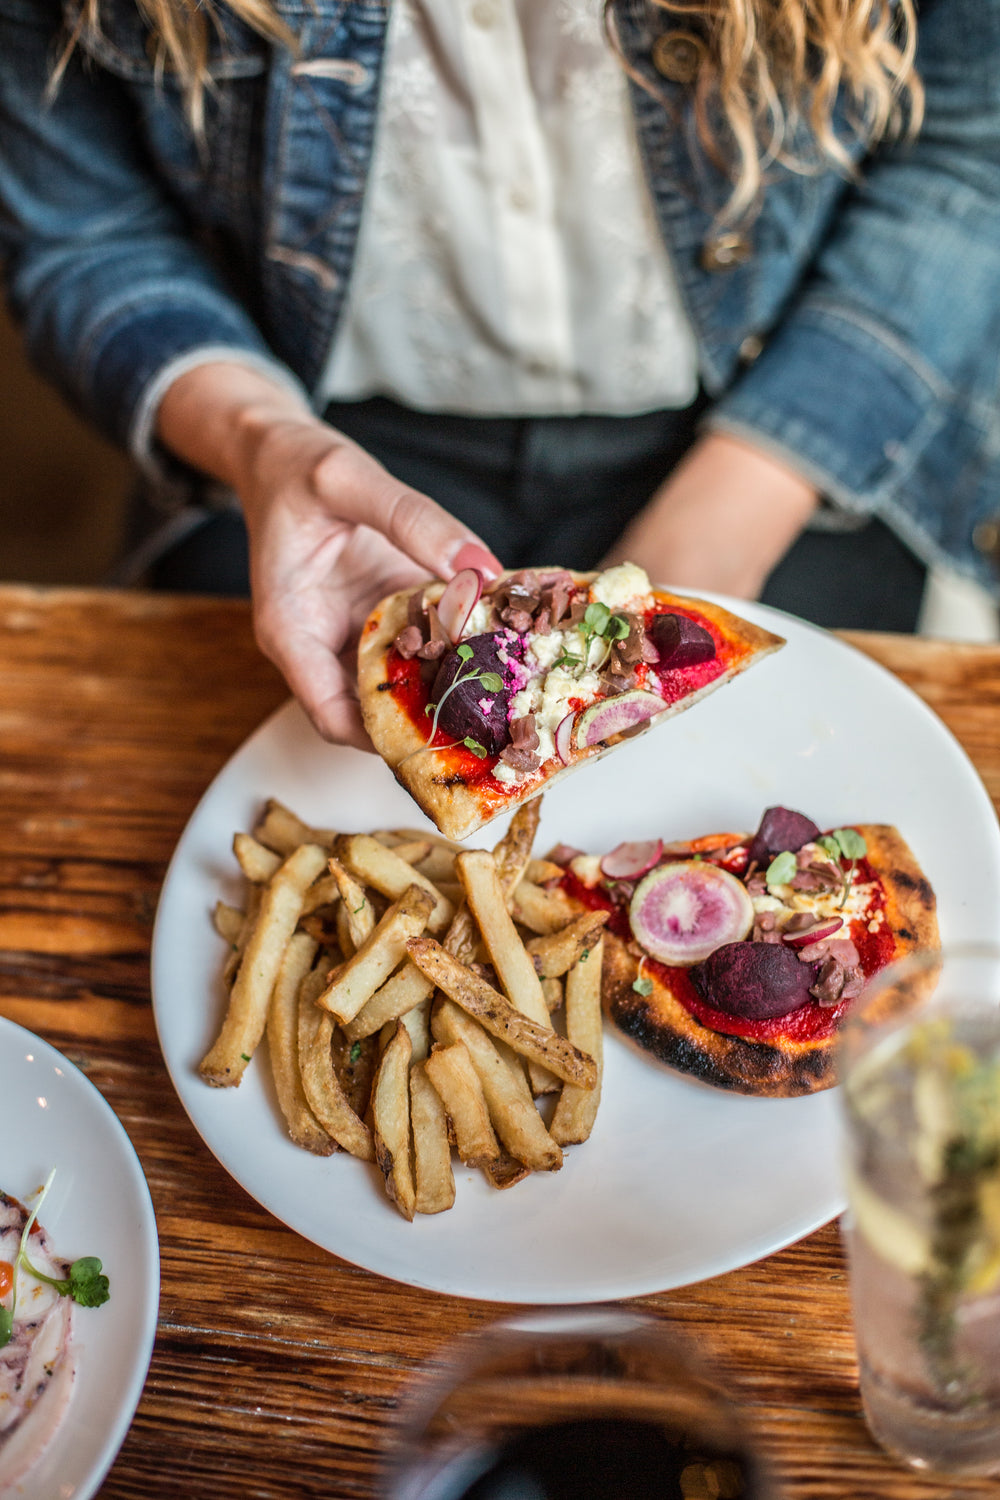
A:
[561,490]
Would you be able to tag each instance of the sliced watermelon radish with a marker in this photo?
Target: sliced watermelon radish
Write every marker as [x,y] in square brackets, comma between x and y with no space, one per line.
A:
[682,912]
[822,927]
[460,597]
[630,860]
[563,738]
[615,716]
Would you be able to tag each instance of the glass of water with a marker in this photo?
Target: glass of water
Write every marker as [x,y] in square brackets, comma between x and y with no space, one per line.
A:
[572,1404]
[920,1068]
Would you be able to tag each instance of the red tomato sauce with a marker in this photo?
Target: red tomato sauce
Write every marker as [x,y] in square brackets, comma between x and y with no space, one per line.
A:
[6,1277]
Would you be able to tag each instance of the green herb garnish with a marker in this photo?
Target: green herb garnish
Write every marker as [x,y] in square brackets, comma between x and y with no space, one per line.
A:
[845,843]
[642,985]
[782,868]
[86,1283]
[355,1052]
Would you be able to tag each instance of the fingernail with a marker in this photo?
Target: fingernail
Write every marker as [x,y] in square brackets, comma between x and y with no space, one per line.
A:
[474,555]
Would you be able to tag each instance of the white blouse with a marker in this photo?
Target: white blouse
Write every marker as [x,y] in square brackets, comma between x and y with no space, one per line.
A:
[509,262]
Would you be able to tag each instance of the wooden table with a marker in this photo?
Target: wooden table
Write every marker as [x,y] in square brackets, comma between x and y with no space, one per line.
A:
[277,1367]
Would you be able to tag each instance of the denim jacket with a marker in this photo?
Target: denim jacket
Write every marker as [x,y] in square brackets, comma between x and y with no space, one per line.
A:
[853,329]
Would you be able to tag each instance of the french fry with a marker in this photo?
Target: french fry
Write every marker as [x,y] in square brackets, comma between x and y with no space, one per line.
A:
[414,851]
[376,865]
[258,863]
[576,1108]
[506,1171]
[283,1047]
[401,992]
[552,989]
[326,1095]
[477,871]
[235,955]
[457,1083]
[435,1180]
[538,871]
[224,1064]
[355,1064]
[514,1117]
[541,911]
[537,1043]
[438,865]
[228,921]
[354,983]
[359,914]
[282,831]
[323,892]
[418,1023]
[555,953]
[514,849]
[391,1121]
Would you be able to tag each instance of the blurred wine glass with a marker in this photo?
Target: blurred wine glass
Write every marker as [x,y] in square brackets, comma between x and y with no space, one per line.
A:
[594,1404]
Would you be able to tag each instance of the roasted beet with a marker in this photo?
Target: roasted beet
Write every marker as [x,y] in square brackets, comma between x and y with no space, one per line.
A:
[780,829]
[753,980]
[470,710]
[680,642]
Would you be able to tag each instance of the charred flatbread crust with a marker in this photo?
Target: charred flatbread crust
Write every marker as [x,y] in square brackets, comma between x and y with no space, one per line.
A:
[782,1068]
[456,808]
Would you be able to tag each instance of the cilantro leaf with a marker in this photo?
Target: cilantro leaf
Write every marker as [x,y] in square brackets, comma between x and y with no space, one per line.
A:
[6,1325]
[87,1283]
[642,985]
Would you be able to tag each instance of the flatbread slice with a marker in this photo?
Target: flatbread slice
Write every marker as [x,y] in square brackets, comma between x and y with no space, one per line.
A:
[563,667]
[658,1008]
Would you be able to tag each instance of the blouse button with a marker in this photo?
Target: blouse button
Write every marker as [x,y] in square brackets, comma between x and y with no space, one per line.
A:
[678,56]
[725,250]
[751,348]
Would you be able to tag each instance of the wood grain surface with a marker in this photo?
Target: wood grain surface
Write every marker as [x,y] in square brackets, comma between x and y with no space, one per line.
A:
[277,1368]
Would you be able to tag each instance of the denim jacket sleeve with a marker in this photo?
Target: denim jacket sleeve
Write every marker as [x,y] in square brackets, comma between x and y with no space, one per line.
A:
[102,270]
[881,379]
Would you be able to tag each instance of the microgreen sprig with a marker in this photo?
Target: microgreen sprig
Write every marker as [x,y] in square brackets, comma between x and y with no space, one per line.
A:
[86,1283]
[845,843]
[781,869]
[598,623]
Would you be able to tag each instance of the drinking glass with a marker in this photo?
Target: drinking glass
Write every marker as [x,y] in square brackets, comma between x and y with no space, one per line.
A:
[920,1068]
[591,1404]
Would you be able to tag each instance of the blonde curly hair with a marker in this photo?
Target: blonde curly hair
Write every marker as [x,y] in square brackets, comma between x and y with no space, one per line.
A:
[770,66]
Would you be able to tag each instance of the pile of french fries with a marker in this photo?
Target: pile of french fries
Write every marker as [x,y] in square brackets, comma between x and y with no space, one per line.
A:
[406,988]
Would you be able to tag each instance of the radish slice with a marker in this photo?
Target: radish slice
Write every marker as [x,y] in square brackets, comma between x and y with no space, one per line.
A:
[682,912]
[629,861]
[616,715]
[821,928]
[563,738]
[459,599]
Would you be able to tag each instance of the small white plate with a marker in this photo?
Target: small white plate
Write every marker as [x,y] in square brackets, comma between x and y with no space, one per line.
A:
[51,1115]
[679,1181]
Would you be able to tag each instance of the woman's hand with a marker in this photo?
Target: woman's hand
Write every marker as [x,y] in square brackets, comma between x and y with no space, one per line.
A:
[331,532]
[722,521]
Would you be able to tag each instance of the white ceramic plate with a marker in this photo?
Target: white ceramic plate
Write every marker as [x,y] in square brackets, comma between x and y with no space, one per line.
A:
[679,1181]
[52,1116]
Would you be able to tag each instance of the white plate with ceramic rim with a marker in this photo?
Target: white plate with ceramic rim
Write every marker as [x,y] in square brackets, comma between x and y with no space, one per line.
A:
[679,1181]
[51,1115]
